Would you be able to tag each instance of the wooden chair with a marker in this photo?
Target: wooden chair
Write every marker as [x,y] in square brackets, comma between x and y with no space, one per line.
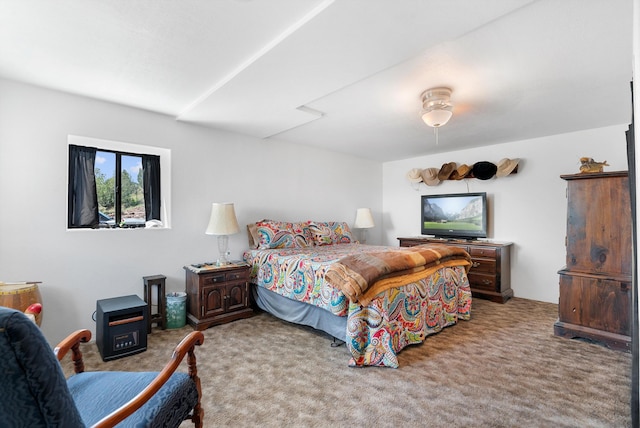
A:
[35,392]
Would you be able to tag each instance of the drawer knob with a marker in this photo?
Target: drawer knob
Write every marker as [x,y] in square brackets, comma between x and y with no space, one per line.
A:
[475,264]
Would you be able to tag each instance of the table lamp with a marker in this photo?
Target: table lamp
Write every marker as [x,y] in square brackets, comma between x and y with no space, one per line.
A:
[222,223]
[364,221]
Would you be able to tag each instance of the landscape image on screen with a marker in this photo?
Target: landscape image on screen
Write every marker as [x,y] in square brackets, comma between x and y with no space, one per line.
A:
[461,213]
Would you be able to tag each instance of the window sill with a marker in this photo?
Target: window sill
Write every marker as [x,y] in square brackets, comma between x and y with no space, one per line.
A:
[115,229]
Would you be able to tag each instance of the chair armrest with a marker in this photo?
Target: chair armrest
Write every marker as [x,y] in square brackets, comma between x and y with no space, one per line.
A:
[185,347]
[72,342]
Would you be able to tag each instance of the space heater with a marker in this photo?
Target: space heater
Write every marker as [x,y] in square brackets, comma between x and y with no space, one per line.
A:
[121,326]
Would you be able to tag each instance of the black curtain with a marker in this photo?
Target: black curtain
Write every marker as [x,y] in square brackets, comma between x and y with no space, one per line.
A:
[151,184]
[83,197]
[631,159]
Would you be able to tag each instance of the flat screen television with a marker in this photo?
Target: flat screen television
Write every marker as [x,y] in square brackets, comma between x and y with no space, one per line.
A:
[456,215]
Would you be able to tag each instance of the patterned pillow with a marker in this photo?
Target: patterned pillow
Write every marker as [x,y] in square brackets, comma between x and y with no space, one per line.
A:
[302,234]
[280,234]
[330,232]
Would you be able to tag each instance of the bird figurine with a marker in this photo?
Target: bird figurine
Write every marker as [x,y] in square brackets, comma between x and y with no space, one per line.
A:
[33,311]
[589,165]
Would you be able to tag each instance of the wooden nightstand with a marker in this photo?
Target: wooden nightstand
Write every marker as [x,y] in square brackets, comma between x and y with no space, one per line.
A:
[216,295]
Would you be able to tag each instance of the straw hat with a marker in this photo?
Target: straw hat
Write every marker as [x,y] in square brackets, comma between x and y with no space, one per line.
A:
[446,170]
[506,167]
[414,175]
[430,176]
[460,173]
[484,170]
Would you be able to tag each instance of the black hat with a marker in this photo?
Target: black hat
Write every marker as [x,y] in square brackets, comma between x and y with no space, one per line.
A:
[484,170]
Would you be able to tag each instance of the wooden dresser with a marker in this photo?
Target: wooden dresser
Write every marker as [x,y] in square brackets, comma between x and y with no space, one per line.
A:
[217,295]
[490,273]
[595,284]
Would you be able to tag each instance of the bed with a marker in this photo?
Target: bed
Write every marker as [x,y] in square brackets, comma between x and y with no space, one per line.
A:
[377,299]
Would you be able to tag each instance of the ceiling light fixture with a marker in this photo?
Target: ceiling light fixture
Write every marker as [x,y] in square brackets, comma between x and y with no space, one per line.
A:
[436,108]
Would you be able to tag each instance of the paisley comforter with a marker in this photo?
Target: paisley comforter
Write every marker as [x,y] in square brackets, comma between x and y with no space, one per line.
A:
[393,319]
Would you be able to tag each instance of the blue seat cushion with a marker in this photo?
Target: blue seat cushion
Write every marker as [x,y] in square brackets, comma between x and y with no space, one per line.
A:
[97,394]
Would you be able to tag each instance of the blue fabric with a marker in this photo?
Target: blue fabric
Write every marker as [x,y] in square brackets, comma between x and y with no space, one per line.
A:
[33,390]
[99,393]
[300,312]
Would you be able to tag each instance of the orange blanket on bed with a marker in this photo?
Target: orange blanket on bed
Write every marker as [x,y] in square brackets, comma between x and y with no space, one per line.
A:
[361,276]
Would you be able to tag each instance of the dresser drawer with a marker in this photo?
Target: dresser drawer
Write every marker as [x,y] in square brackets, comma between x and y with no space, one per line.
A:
[485,282]
[483,252]
[483,266]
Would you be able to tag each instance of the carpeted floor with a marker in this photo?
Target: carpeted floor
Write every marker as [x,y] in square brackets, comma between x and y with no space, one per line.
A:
[503,368]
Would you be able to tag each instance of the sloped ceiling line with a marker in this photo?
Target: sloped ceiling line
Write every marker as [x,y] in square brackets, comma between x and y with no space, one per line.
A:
[253,58]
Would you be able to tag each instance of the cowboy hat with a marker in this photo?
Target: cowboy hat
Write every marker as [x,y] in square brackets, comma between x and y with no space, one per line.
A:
[460,173]
[506,166]
[430,176]
[446,170]
[414,175]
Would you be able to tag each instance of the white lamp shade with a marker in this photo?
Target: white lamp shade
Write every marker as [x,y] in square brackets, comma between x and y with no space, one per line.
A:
[223,220]
[437,117]
[364,220]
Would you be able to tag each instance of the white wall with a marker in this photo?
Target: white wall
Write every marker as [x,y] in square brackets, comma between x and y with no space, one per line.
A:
[262,178]
[527,208]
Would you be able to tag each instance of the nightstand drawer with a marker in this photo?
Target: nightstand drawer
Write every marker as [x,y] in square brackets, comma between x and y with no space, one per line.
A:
[213,278]
[216,278]
[237,275]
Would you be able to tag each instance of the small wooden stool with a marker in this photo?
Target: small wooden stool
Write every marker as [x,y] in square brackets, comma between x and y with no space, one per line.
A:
[160,317]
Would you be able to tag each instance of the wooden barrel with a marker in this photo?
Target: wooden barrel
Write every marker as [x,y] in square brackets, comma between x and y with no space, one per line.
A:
[20,295]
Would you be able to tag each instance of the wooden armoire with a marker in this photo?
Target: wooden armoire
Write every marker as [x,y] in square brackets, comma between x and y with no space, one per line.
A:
[595,285]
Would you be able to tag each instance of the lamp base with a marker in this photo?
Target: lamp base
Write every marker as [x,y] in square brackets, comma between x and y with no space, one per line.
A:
[223,243]
[363,236]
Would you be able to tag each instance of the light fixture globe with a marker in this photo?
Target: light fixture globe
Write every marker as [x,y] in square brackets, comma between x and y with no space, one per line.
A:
[436,106]
[437,117]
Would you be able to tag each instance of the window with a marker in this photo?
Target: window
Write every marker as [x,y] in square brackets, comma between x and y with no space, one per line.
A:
[119,185]
[113,188]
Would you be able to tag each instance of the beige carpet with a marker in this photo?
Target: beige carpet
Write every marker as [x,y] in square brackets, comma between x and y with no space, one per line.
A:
[503,368]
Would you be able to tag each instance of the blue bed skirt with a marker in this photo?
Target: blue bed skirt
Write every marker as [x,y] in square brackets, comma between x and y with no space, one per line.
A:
[300,312]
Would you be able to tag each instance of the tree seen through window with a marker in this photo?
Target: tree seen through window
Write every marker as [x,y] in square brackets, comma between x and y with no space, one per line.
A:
[116,171]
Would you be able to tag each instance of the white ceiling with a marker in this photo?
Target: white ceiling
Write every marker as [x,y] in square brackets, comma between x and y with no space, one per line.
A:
[344,75]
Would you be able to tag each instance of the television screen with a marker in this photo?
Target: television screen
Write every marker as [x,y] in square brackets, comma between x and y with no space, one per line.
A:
[460,215]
